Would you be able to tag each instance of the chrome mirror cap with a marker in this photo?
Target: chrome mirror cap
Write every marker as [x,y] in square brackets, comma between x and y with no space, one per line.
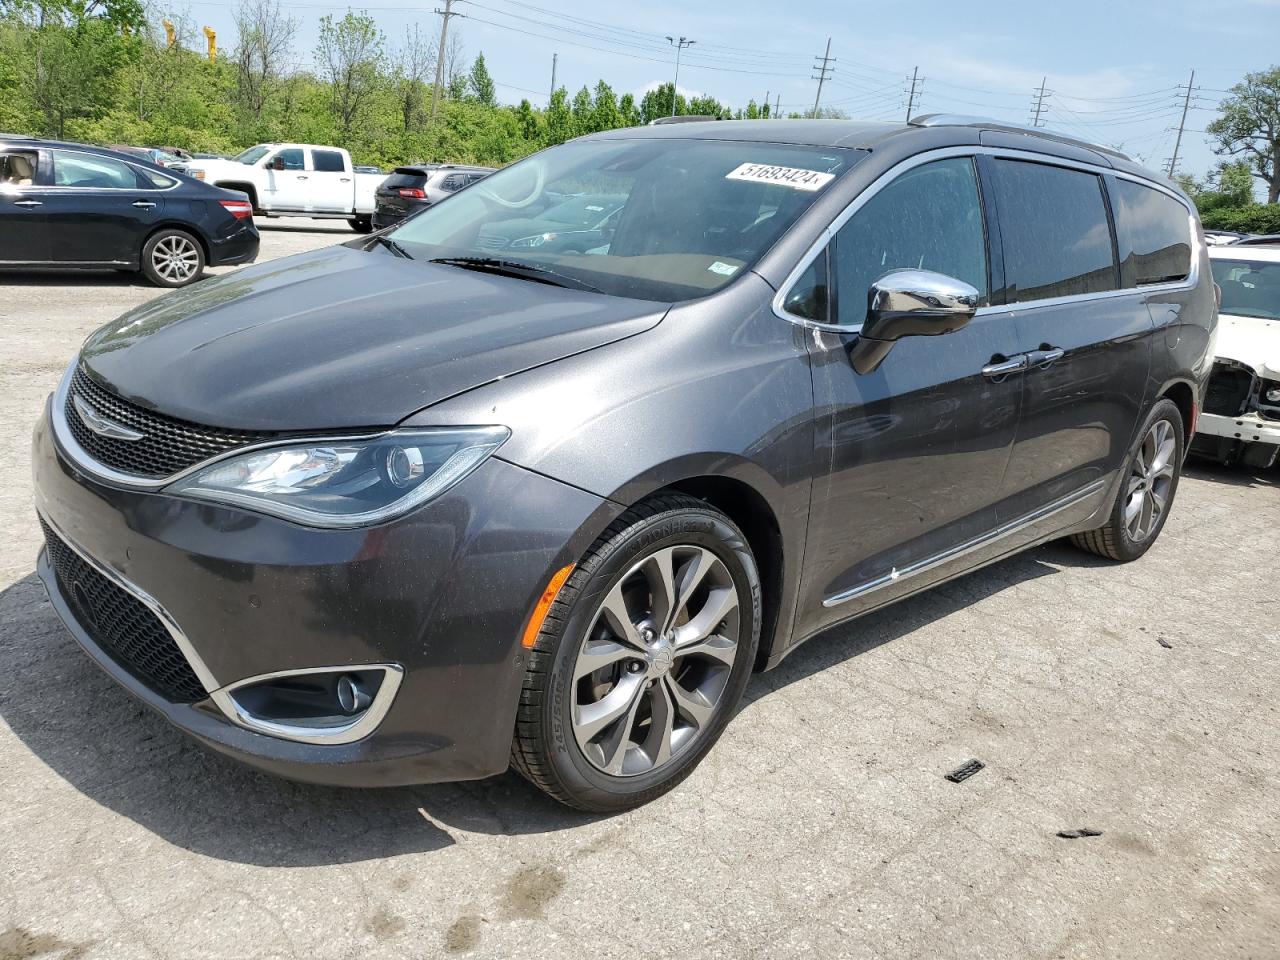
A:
[919,293]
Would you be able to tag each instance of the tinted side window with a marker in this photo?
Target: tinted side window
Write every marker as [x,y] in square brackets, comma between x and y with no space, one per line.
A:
[87,170]
[1155,234]
[808,295]
[1057,239]
[930,218]
[18,168]
[452,182]
[292,159]
[327,161]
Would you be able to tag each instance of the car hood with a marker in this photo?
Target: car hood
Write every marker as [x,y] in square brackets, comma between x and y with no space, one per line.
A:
[343,337]
[1253,341]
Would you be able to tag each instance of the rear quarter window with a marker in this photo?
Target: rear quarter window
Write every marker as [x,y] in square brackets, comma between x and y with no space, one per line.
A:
[1055,231]
[1154,231]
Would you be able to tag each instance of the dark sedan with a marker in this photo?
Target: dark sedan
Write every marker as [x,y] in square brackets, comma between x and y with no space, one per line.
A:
[72,205]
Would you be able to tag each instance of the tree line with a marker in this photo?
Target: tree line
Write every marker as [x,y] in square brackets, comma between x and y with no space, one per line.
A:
[103,71]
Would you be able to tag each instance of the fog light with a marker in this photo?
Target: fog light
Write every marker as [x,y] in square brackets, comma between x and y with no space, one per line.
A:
[352,696]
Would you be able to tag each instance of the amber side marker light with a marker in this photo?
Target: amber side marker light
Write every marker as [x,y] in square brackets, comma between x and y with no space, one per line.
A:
[544,604]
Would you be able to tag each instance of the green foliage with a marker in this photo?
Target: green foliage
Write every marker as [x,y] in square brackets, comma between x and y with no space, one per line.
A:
[481,83]
[1254,218]
[349,53]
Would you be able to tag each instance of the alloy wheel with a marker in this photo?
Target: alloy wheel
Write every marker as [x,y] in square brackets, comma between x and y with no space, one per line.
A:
[655,661]
[1150,481]
[175,258]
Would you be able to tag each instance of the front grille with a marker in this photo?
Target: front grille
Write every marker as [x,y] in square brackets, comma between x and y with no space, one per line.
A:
[1228,390]
[168,445]
[122,625]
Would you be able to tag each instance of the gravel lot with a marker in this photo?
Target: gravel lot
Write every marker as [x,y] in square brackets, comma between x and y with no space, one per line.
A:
[821,825]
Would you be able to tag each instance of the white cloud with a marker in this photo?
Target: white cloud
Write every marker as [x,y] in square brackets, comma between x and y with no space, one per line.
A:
[655,84]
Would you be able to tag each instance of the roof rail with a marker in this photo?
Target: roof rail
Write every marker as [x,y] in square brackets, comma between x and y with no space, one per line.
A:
[987,123]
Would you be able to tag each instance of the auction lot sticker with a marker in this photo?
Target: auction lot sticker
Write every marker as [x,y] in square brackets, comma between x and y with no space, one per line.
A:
[794,177]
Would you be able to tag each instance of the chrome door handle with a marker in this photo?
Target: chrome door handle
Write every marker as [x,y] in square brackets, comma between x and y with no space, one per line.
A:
[1002,368]
[28,203]
[144,204]
[344,179]
[1046,358]
[302,178]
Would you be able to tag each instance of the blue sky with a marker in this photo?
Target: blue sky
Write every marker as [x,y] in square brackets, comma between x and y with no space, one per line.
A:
[1112,68]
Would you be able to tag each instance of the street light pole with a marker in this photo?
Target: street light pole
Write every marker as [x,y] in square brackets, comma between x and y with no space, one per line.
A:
[679,44]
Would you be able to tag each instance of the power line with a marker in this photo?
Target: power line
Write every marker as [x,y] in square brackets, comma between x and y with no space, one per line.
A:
[1173,161]
[1040,101]
[675,84]
[911,97]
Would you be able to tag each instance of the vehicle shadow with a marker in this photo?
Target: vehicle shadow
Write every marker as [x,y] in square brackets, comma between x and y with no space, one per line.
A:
[311,226]
[1235,475]
[121,755]
[72,278]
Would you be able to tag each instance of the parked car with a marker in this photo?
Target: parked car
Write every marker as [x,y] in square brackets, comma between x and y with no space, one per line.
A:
[400,511]
[575,225]
[72,205]
[296,180]
[1241,417]
[410,189]
[368,168]
[1257,240]
[1216,237]
[156,155]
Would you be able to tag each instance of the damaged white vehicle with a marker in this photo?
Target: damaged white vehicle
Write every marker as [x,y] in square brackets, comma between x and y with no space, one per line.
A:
[1240,420]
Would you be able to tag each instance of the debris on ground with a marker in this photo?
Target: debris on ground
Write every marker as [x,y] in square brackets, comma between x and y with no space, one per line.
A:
[1078,833]
[965,771]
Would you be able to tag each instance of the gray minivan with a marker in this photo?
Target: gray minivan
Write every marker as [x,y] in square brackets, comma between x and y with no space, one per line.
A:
[407,509]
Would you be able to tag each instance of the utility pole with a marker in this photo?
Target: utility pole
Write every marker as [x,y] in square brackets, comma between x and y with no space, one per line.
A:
[554,57]
[1039,104]
[1186,103]
[679,44]
[445,14]
[911,97]
[777,100]
[824,73]
[766,105]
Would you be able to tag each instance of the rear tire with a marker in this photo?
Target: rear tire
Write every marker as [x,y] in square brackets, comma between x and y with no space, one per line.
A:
[670,677]
[1147,487]
[361,224]
[172,258]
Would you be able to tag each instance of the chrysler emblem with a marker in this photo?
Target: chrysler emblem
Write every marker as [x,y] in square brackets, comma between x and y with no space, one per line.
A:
[101,425]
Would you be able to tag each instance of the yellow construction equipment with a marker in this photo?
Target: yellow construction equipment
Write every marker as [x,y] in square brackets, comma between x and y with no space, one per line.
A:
[212,36]
[170,32]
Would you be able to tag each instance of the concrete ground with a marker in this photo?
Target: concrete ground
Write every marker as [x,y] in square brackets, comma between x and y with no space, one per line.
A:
[1138,700]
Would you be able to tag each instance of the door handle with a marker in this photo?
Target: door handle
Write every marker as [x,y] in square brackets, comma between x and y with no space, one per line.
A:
[1045,357]
[999,369]
[344,179]
[302,178]
[144,204]
[28,203]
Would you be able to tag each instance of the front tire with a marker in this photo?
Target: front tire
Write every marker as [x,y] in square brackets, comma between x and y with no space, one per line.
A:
[172,258]
[1147,488]
[361,224]
[642,659]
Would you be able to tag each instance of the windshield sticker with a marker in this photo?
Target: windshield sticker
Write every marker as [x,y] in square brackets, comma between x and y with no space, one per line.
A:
[794,177]
[724,269]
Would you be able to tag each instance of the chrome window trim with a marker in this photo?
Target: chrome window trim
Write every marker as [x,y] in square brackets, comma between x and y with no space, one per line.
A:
[972,150]
[174,182]
[202,672]
[964,549]
[81,459]
[357,729]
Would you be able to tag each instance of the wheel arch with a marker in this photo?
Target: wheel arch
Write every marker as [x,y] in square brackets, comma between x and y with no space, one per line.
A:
[1183,395]
[742,493]
[187,228]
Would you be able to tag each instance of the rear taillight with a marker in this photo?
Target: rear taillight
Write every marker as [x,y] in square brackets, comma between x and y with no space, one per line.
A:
[412,193]
[240,209]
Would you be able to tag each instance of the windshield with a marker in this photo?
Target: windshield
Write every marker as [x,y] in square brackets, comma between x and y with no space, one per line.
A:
[690,214]
[253,154]
[1250,288]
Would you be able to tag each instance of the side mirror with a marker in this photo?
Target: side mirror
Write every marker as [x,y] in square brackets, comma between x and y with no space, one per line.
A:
[277,163]
[910,303]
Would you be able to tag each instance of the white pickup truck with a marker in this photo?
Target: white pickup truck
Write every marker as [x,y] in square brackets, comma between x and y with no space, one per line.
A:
[296,180]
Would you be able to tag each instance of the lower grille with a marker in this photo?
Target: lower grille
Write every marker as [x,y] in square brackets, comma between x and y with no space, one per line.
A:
[1228,392]
[122,625]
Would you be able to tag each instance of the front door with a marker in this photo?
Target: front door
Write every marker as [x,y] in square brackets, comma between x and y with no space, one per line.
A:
[288,188]
[1088,343]
[97,209]
[23,226]
[917,449]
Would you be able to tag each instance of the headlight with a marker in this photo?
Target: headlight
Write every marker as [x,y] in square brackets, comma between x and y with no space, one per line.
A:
[536,240]
[345,482]
[1272,395]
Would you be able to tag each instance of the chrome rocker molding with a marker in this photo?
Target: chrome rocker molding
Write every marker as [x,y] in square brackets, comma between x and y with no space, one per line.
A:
[356,729]
[224,696]
[964,549]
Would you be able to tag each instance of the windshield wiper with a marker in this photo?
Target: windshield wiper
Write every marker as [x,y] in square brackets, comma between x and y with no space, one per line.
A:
[393,247]
[517,269]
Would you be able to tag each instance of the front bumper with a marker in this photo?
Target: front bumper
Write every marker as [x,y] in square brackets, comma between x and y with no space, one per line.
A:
[443,592]
[1248,428]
